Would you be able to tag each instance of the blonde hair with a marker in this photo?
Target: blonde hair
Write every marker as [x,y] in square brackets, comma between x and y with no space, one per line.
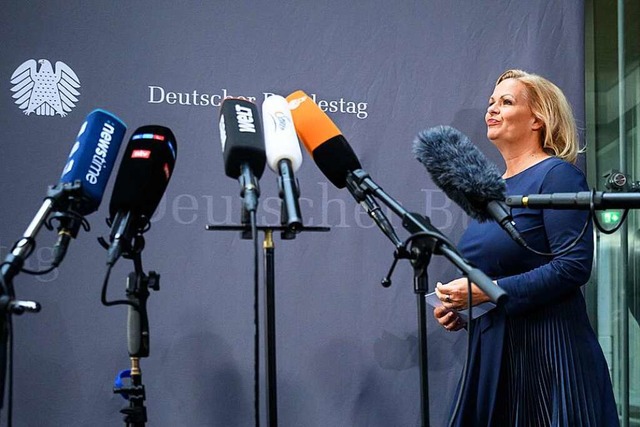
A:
[549,105]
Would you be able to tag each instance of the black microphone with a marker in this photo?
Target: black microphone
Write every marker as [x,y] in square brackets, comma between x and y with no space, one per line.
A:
[459,169]
[243,147]
[283,156]
[145,170]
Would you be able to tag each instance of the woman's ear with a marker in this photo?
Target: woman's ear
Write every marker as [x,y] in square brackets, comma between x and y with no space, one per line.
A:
[537,123]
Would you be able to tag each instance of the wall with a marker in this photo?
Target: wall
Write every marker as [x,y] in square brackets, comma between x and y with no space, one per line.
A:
[347,347]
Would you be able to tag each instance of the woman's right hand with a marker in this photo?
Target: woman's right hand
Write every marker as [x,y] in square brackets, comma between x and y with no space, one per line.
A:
[448,318]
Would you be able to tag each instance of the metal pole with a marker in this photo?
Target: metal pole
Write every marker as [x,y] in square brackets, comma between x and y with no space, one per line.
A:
[270,329]
[420,289]
[624,243]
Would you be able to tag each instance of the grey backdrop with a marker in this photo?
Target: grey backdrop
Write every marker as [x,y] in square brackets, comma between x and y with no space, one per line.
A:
[346,346]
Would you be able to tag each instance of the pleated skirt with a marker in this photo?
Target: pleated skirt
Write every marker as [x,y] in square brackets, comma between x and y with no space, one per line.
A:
[553,372]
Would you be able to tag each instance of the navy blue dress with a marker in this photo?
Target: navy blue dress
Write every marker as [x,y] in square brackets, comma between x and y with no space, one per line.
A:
[536,361]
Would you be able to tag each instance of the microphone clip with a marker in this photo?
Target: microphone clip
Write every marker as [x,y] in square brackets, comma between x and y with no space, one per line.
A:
[250,188]
[132,248]
[289,193]
[126,238]
[70,206]
[67,197]
[248,183]
[353,185]
[68,203]
[69,223]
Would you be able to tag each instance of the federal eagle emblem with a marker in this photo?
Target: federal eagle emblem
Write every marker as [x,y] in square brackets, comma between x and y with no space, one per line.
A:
[40,89]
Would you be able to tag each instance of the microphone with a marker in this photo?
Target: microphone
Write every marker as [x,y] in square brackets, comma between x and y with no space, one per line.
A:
[243,148]
[87,170]
[145,170]
[583,200]
[283,156]
[323,140]
[459,169]
[333,155]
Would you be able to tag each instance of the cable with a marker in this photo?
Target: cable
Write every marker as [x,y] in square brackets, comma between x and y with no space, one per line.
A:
[575,242]
[595,217]
[103,295]
[41,272]
[31,247]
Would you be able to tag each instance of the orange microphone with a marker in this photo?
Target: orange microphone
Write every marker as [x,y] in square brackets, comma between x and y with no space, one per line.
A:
[323,140]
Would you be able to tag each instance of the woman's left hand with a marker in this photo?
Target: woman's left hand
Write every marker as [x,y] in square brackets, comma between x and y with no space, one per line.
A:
[454,295]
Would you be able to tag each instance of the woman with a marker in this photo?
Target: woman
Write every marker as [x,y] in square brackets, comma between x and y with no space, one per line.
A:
[536,360]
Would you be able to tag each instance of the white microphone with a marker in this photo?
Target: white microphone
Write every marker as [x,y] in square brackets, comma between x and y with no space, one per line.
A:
[283,156]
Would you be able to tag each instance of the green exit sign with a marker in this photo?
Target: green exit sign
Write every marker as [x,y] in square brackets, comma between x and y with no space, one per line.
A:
[611,217]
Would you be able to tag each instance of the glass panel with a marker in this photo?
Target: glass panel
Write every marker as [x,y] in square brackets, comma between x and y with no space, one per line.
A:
[615,300]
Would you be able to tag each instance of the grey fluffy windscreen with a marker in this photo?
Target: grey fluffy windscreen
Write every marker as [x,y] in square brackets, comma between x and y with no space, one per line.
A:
[459,169]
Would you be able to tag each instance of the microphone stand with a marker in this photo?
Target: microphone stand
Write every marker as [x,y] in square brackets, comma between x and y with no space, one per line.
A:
[61,197]
[425,240]
[270,303]
[420,288]
[138,284]
[138,338]
[270,328]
